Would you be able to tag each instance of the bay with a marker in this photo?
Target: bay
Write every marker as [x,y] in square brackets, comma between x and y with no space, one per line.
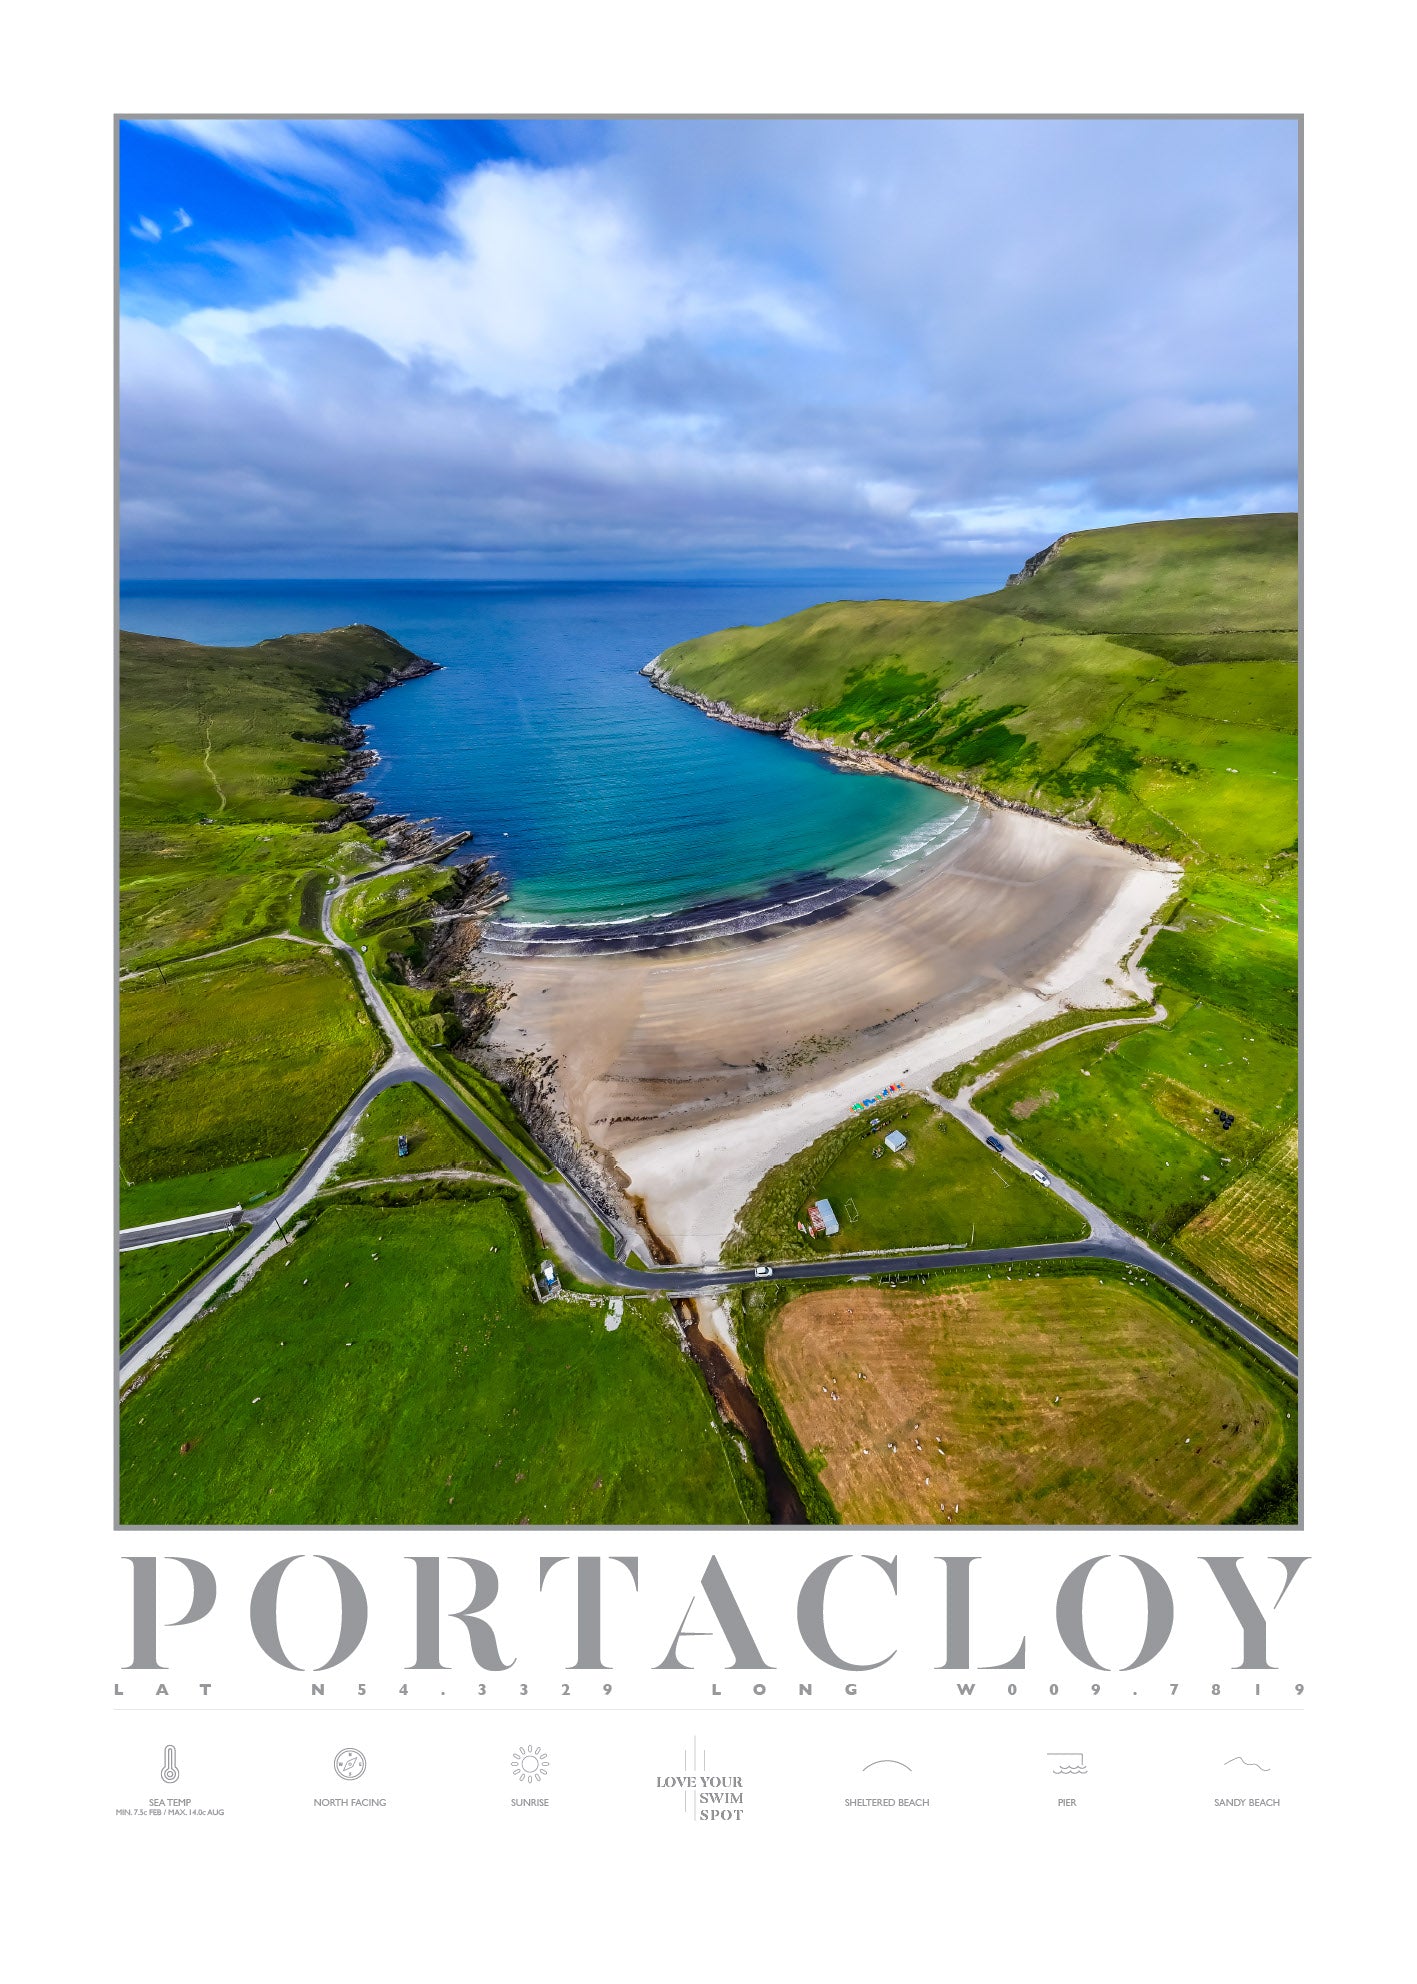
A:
[596,795]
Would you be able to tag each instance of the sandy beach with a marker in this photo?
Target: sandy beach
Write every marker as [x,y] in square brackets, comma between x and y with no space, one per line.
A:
[694,1071]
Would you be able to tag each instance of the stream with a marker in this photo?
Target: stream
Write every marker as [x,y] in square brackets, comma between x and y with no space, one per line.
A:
[734,1396]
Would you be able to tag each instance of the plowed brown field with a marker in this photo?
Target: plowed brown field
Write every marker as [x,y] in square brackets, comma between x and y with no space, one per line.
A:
[1034,1400]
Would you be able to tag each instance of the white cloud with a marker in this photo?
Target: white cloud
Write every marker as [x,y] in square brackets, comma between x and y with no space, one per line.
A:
[549,278]
[310,157]
[183,220]
[749,341]
[146,230]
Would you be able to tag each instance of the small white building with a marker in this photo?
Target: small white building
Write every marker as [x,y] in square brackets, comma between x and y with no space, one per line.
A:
[895,1140]
[829,1220]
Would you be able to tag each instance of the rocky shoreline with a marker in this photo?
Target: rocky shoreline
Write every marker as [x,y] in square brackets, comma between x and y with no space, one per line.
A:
[453,940]
[337,783]
[849,758]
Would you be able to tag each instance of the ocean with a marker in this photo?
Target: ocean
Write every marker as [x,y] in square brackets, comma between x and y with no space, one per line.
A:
[597,796]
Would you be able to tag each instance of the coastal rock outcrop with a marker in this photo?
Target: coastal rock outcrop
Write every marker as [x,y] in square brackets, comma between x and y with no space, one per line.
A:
[1032,566]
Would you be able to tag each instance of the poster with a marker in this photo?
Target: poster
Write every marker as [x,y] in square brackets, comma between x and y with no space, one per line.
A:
[707,1058]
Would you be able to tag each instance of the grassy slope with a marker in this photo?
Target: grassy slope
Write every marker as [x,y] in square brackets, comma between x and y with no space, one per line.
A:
[243,1056]
[431,1389]
[1154,1422]
[1089,690]
[230,1078]
[388,917]
[1142,680]
[944,1187]
[217,843]
[241,1059]
[1131,1112]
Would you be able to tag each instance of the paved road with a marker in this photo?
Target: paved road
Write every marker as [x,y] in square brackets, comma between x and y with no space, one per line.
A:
[178,1229]
[570,1216]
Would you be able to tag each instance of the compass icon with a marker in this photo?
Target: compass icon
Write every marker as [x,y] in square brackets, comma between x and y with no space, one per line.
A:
[349,1764]
[530,1764]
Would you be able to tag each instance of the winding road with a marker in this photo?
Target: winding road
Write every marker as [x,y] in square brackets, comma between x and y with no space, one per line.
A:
[575,1221]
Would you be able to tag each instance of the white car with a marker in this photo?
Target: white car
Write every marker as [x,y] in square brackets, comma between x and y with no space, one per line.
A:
[762,1274]
[1041,1176]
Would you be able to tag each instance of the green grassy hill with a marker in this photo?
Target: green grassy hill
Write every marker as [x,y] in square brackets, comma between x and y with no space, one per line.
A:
[1141,680]
[218,748]
[233,732]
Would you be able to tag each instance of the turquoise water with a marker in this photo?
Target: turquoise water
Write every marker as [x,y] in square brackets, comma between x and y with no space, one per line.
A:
[596,795]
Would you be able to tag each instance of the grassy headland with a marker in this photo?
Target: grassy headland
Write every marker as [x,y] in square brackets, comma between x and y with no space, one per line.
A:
[1141,682]
[238,1044]
[230,765]
[1125,684]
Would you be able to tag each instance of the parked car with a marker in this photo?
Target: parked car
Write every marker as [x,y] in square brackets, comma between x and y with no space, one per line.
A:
[995,1143]
[1041,1176]
[762,1274]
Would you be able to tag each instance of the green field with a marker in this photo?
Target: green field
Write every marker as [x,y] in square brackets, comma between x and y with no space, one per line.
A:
[393,1367]
[1142,680]
[943,1189]
[232,1065]
[435,1141]
[1247,1241]
[387,916]
[237,1058]
[149,1277]
[955,1079]
[1076,1396]
[205,1191]
[1130,1116]
[217,750]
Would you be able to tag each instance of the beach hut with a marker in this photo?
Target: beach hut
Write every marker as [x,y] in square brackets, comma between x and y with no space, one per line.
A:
[895,1140]
[829,1221]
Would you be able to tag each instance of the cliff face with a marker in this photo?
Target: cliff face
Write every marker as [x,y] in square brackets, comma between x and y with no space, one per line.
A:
[1035,564]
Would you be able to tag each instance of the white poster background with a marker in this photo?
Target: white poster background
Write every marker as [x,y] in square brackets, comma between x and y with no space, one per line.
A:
[440,1871]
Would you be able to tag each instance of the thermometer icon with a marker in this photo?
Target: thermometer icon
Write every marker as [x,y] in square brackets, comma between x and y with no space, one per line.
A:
[169,1772]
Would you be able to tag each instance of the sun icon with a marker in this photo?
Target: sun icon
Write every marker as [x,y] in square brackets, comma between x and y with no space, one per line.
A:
[530,1764]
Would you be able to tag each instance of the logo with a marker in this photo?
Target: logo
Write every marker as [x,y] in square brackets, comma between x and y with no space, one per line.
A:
[1071,1763]
[707,1797]
[349,1764]
[530,1764]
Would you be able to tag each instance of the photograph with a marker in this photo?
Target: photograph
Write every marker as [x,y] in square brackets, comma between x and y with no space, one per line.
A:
[708,864]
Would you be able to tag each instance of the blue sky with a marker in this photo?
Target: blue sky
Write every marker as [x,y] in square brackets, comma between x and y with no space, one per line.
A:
[661,347]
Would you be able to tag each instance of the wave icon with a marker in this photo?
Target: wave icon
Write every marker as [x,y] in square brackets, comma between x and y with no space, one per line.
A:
[1248,1762]
[1070,1763]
